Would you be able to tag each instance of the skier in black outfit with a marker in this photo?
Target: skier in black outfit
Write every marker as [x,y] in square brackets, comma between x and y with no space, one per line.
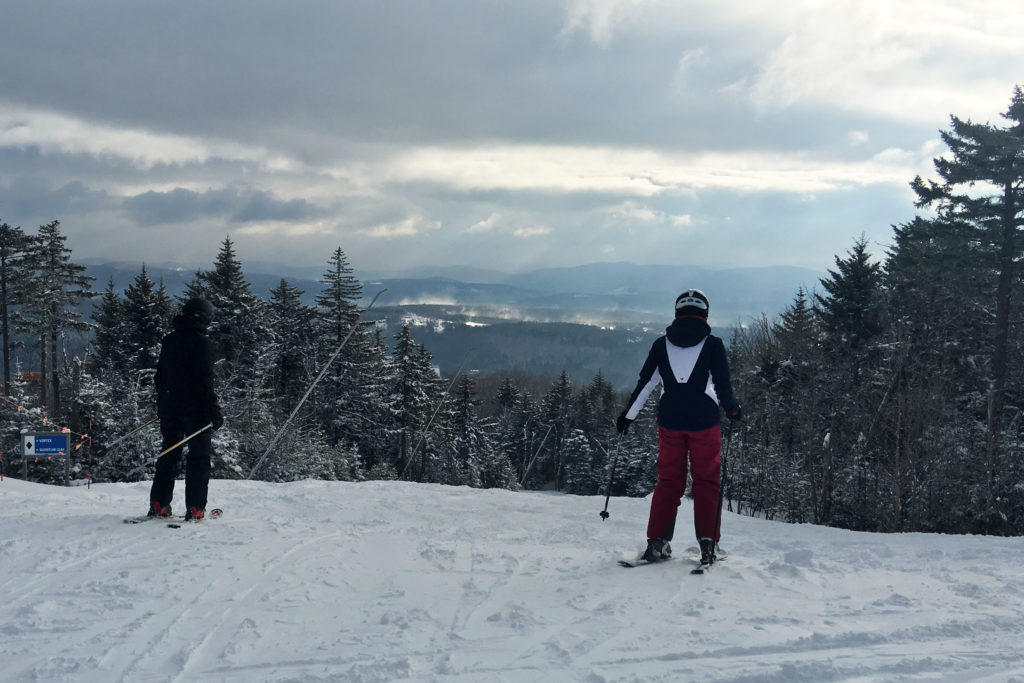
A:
[185,404]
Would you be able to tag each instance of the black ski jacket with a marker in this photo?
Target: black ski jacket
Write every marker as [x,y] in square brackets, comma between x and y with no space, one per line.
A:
[184,375]
[691,365]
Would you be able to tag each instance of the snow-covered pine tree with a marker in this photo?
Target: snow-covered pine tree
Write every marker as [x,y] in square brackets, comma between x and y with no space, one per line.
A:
[52,306]
[518,431]
[416,391]
[238,326]
[371,422]
[340,396]
[851,313]
[147,311]
[558,420]
[292,328]
[582,472]
[476,459]
[117,396]
[982,186]
[15,247]
[108,348]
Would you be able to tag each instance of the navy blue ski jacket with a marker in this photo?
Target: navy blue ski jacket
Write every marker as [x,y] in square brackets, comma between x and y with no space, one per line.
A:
[691,365]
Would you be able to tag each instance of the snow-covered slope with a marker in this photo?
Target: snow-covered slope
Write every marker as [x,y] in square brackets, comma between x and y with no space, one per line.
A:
[383,581]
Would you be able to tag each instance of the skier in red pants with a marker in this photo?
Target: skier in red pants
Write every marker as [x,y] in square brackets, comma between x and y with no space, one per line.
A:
[691,365]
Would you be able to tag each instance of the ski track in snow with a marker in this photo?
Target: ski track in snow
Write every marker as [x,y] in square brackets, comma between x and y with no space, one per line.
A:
[384,581]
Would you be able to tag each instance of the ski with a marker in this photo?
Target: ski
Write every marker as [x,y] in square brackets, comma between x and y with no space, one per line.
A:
[212,514]
[215,513]
[630,564]
[146,518]
[700,569]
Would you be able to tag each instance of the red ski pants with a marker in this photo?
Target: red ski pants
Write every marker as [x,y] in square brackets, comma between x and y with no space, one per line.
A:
[702,450]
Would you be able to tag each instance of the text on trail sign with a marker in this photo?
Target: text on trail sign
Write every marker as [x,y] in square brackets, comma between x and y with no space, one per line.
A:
[44,444]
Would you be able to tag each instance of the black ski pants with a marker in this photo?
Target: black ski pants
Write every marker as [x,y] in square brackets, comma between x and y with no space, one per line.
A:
[197,463]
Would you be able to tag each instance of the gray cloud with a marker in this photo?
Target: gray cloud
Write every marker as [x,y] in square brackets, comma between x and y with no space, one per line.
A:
[180,205]
[643,130]
[30,201]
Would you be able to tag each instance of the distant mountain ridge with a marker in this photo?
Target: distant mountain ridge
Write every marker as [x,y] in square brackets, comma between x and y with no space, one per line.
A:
[596,293]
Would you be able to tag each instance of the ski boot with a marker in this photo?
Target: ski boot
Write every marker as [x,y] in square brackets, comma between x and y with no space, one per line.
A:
[658,549]
[158,510]
[707,552]
[195,515]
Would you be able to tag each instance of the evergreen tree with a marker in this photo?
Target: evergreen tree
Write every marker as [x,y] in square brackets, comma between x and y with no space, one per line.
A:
[108,343]
[517,429]
[559,421]
[293,335]
[982,186]
[341,393]
[338,302]
[146,315]
[54,295]
[413,396]
[582,472]
[15,247]
[237,329]
[851,309]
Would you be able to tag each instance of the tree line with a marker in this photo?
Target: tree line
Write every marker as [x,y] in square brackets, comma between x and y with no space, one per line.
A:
[381,411]
[891,399]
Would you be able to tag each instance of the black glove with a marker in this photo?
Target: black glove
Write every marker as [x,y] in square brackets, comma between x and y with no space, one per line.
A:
[622,423]
[736,415]
[217,420]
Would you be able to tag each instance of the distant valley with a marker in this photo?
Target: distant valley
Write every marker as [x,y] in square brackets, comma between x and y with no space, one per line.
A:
[600,316]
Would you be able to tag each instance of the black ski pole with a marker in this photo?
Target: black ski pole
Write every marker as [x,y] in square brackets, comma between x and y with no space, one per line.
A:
[611,478]
[721,484]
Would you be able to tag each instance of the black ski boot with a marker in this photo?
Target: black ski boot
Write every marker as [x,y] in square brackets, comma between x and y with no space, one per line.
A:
[658,549]
[158,510]
[707,552]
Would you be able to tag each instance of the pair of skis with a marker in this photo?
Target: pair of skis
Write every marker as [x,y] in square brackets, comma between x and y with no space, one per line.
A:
[174,522]
[699,569]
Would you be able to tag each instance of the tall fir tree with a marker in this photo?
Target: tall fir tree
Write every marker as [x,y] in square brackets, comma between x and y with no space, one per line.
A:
[293,335]
[412,393]
[982,186]
[147,310]
[237,329]
[59,287]
[109,342]
[343,412]
[15,270]
[851,310]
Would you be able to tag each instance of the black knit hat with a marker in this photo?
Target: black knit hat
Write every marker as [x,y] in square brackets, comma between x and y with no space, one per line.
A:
[199,310]
[692,302]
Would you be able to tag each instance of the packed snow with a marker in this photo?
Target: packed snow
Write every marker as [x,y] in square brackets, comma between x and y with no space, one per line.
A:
[385,581]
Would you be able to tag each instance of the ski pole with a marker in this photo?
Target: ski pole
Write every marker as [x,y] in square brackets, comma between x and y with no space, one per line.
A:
[721,484]
[134,431]
[608,492]
[186,439]
[327,366]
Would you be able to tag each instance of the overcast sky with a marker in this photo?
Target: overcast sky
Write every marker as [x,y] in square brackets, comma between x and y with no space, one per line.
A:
[512,134]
